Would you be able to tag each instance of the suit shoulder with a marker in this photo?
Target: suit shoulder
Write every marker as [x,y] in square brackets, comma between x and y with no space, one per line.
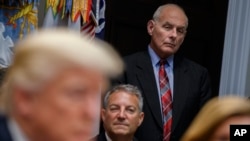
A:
[193,65]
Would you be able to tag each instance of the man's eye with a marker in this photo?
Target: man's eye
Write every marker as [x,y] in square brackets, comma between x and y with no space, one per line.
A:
[182,31]
[167,27]
[131,110]
[113,109]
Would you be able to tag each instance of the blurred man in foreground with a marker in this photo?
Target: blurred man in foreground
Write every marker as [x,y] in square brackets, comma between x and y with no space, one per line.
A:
[53,88]
[122,113]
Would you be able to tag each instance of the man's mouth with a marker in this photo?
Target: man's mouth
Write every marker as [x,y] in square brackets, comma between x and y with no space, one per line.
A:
[170,45]
[123,124]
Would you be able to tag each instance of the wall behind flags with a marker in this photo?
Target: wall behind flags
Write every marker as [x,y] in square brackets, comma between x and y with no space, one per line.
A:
[125,28]
[126,22]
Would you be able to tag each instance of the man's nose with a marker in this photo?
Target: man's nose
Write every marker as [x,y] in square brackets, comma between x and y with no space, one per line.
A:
[174,33]
[122,114]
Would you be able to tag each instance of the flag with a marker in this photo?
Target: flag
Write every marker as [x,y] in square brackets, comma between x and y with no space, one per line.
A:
[95,26]
[101,7]
[88,28]
[17,19]
[60,16]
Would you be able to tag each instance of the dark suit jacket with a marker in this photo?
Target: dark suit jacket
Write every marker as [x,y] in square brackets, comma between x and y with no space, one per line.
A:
[4,132]
[191,91]
[102,137]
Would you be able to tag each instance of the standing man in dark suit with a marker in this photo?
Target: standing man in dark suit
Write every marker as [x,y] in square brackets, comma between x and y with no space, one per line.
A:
[188,83]
[121,114]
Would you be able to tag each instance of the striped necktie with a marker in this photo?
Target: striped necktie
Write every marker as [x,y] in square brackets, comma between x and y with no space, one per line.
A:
[166,100]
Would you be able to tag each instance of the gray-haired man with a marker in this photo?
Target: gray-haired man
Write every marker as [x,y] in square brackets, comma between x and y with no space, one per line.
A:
[122,113]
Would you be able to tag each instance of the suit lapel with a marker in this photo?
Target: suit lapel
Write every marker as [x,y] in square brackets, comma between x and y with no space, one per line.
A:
[180,90]
[146,78]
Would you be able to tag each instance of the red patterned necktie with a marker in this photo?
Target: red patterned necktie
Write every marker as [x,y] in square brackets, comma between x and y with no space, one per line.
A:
[166,100]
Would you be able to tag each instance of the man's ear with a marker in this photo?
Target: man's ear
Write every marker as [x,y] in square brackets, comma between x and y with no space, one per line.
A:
[103,112]
[150,26]
[22,101]
[141,117]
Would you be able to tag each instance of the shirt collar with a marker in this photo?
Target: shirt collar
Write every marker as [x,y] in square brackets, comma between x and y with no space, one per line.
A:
[155,58]
[15,131]
[107,137]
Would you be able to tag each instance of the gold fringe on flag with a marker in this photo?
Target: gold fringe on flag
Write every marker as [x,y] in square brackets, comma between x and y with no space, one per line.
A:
[81,7]
[53,4]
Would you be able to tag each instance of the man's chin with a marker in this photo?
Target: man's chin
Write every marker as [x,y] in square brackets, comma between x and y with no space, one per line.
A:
[121,132]
[168,51]
[120,129]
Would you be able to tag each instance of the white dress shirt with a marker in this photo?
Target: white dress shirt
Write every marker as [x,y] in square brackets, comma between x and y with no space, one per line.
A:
[15,131]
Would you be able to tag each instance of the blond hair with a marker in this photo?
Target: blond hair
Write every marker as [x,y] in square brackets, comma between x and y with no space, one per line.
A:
[41,55]
[213,114]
